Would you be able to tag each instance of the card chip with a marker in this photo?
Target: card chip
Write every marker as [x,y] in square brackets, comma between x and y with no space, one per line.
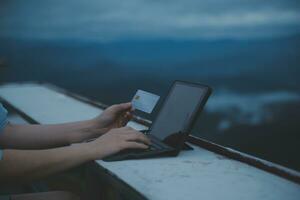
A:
[144,101]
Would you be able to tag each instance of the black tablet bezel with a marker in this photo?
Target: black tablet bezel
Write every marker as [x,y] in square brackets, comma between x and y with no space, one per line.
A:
[195,114]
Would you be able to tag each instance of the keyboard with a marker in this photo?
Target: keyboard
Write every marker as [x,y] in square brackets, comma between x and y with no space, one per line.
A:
[156,148]
[156,145]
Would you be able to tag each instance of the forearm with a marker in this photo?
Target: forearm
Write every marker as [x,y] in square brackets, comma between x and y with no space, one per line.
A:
[47,136]
[28,165]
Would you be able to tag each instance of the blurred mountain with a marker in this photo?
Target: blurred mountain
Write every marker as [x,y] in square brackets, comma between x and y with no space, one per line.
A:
[268,63]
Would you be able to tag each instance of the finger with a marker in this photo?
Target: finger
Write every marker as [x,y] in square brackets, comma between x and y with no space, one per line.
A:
[132,109]
[135,145]
[125,116]
[138,137]
[127,113]
[126,130]
[124,121]
[128,116]
[123,107]
[132,129]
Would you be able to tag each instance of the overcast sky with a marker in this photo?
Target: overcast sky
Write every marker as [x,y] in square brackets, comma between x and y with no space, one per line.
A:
[173,19]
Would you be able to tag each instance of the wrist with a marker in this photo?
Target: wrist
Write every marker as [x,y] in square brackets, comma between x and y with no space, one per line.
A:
[84,131]
[85,151]
[92,123]
[96,123]
[96,126]
[94,151]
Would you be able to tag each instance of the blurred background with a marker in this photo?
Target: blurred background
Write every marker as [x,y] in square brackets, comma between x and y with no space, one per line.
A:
[248,51]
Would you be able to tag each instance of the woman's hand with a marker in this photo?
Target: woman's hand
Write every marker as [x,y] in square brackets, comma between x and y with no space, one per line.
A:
[115,116]
[117,140]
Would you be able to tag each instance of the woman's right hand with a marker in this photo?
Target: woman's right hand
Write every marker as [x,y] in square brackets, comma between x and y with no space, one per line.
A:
[117,140]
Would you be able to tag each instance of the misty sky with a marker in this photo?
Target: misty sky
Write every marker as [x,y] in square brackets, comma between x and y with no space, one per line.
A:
[172,19]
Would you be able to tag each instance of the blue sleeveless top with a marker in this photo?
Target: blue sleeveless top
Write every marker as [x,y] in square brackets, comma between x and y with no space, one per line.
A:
[3,122]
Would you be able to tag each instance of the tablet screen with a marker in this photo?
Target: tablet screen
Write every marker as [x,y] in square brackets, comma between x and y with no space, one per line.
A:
[178,110]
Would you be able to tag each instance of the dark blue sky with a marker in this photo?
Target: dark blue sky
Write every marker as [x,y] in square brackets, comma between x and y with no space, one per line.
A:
[176,19]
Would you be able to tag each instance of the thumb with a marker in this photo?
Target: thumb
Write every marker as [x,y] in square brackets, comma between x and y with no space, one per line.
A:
[122,107]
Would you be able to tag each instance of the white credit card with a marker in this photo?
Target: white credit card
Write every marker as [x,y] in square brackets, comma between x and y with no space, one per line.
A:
[144,101]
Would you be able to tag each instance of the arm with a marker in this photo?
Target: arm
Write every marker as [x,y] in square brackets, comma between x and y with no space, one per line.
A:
[48,136]
[28,165]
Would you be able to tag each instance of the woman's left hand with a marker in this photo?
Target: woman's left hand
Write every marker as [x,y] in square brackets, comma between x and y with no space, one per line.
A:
[115,116]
